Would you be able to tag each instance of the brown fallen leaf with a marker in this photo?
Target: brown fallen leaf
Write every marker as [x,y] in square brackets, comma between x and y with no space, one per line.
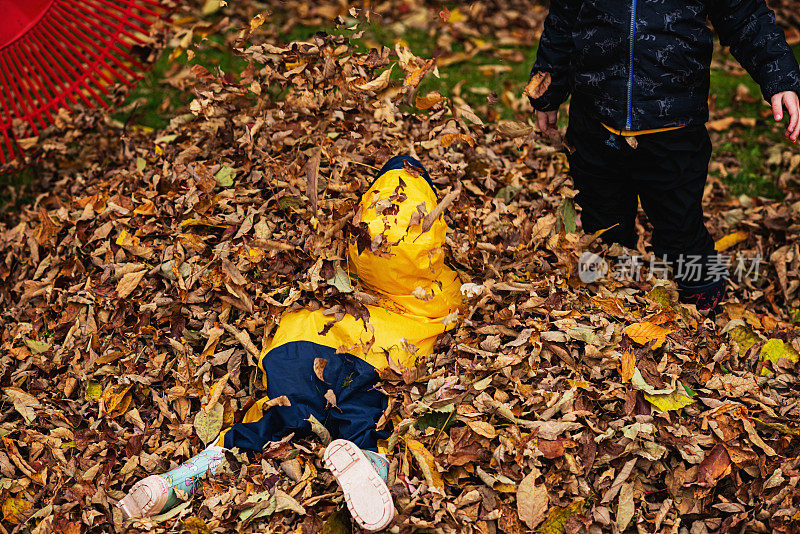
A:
[128,283]
[532,500]
[429,100]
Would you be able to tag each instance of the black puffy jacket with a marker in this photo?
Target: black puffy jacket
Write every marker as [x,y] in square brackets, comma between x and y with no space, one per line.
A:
[644,64]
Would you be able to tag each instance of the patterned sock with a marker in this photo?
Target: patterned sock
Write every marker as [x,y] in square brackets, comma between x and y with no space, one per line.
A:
[380,463]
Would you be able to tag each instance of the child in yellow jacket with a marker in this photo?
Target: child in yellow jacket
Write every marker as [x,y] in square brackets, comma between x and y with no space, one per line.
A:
[417,296]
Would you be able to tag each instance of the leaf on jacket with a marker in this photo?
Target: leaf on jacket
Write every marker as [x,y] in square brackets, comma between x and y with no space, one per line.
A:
[538,84]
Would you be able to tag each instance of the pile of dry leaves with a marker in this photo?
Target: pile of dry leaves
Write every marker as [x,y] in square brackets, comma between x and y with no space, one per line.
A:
[158,265]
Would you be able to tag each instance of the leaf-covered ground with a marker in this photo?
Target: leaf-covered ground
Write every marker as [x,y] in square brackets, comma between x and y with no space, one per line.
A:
[157,262]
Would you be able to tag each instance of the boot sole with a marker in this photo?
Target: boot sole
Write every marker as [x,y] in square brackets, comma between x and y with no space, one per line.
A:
[366,494]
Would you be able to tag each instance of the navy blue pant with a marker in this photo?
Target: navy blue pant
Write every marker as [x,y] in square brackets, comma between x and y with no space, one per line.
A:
[290,372]
[667,171]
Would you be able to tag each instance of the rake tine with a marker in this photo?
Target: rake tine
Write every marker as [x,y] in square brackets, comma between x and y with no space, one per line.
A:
[113,58]
[57,65]
[22,82]
[46,95]
[80,79]
[37,85]
[126,21]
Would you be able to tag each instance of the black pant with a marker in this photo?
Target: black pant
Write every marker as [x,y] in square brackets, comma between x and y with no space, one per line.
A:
[667,172]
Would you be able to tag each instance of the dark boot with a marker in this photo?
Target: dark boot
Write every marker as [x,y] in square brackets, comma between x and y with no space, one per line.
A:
[706,297]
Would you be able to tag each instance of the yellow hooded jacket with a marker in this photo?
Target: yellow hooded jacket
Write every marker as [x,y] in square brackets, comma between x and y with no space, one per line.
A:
[417,300]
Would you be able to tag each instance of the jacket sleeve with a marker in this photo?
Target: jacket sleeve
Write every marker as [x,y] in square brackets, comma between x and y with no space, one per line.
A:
[758,43]
[555,50]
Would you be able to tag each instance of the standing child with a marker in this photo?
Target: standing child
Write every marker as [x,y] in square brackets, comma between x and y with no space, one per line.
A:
[639,72]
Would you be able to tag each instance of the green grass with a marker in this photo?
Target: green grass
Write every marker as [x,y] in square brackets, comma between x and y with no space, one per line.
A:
[747,146]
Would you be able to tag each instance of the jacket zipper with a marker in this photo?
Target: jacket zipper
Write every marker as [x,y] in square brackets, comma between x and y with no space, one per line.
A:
[630,65]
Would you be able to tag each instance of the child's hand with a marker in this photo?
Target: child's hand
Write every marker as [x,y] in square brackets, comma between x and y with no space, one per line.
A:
[788,100]
[546,121]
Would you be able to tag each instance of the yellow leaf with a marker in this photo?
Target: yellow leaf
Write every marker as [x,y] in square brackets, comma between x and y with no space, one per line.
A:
[481,428]
[456,16]
[557,517]
[208,424]
[257,21]
[15,510]
[146,208]
[416,76]
[774,350]
[628,365]
[195,525]
[744,338]
[429,100]
[448,139]
[726,242]
[117,399]
[426,462]
[645,332]
[93,391]
[669,401]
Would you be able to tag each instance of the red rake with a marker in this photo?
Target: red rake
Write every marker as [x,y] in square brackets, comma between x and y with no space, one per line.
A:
[58,53]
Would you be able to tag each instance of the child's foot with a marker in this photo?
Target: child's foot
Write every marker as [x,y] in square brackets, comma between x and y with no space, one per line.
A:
[157,493]
[362,477]
[147,497]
